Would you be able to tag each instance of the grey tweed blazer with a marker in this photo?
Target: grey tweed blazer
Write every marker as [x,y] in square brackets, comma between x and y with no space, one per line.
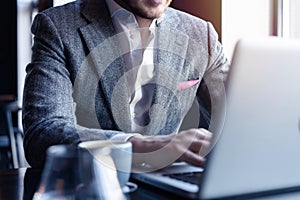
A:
[76,89]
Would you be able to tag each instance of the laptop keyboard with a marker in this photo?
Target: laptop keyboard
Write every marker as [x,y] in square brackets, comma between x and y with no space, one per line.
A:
[191,177]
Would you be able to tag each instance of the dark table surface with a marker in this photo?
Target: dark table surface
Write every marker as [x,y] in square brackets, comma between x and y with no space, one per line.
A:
[21,184]
[17,184]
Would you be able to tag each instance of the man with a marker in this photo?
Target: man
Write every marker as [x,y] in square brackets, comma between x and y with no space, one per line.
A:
[124,70]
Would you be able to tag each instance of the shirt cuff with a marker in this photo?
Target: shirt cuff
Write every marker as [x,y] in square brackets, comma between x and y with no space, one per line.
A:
[122,137]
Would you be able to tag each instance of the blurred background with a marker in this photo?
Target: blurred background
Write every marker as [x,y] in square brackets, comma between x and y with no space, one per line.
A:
[233,19]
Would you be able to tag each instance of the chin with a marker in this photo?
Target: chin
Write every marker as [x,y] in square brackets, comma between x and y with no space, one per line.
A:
[152,13]
[148,8]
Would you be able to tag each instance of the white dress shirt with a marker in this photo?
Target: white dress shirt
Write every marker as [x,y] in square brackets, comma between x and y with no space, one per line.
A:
[139,64]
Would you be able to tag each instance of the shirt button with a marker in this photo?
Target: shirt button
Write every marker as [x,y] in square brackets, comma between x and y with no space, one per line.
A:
[133,114]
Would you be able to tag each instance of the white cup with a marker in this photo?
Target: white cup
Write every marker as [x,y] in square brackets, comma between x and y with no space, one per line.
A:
[119,158]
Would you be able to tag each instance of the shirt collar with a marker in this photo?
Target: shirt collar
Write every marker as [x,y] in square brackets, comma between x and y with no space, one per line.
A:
[114,8]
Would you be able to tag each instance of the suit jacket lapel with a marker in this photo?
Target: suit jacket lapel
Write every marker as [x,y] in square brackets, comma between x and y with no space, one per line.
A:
[171,45]
[98,35]
[169,59]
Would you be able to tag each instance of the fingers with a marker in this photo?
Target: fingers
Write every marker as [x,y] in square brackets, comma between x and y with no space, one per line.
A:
[193,158]
[199,145]
[195,138]
[197,134]
[204,149]
[203,134]
[190,146]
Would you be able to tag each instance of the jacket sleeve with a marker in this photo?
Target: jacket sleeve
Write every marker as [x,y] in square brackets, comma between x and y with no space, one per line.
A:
[48,107]
[211,94]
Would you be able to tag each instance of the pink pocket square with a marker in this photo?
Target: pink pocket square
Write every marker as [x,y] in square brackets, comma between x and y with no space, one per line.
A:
[186,84]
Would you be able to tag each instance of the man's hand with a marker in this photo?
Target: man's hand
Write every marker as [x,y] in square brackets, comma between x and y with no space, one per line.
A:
[160,151]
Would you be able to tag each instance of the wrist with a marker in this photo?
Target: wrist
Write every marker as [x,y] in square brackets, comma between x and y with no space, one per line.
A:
[144,144]
[137,143]
[151,152]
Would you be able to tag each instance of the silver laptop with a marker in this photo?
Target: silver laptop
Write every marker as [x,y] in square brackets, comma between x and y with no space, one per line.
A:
[258,151]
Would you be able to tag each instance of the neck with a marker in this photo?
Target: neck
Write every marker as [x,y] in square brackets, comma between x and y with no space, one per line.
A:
[143,22]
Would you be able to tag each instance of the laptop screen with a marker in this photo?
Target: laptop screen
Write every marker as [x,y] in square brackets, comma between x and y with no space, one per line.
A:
[259,146]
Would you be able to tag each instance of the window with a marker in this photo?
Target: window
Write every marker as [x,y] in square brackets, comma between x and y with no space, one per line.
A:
[61,2]
[290,18]
[245,19]
[25,8]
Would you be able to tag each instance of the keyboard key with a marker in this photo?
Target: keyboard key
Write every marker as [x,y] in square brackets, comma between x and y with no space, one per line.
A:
[191,177]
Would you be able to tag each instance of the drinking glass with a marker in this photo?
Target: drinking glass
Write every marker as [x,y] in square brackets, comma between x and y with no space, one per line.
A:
[59,178]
